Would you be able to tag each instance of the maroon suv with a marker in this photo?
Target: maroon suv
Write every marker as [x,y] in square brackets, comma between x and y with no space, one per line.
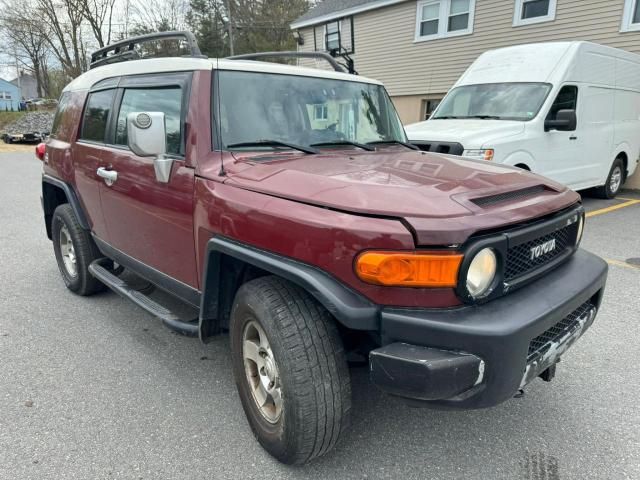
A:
[284,204]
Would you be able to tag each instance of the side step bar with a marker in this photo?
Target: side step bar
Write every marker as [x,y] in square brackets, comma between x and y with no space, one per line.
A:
[190,329]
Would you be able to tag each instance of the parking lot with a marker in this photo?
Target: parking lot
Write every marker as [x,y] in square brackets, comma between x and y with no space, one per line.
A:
[95,388]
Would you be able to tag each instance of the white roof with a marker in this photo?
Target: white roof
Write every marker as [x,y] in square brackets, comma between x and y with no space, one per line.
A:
[533,62]
[182,64]
[554,62]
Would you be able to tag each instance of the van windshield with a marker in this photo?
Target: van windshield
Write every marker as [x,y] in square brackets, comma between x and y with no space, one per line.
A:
[265,110]
[494,101]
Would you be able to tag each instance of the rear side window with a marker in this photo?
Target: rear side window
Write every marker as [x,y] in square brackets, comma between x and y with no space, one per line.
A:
[167,100]
[567,99]
[61,117]
[63,107]
[96,116]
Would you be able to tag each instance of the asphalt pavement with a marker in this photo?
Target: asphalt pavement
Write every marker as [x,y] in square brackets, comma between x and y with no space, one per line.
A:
[95,388]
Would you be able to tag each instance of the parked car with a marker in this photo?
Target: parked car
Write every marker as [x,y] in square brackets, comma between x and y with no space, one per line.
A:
[286,206]
[566,110]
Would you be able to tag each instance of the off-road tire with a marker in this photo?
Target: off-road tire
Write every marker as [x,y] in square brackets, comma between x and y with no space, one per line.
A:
[605,191]
[312,366]
[86,251]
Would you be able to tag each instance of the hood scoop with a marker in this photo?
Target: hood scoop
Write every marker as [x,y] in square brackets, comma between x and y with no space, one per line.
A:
[491,200]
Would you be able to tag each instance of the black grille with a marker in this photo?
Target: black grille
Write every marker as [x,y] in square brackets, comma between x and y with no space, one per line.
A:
[519,261]
[503,197]
[565,325]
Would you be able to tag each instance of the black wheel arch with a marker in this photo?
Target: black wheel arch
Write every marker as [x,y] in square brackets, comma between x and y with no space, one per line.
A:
[55,192]
[229,264]
[625,164]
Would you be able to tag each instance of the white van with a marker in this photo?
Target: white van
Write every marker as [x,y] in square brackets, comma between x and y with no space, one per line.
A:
[567,110]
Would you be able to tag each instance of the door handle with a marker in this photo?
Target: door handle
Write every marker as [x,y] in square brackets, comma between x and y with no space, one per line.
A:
[573,137]
[110,176]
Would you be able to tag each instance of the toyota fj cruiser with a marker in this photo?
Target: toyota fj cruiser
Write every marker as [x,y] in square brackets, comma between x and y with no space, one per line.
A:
[286,206]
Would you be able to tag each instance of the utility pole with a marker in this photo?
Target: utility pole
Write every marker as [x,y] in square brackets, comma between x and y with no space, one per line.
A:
[15,55]
[230,27]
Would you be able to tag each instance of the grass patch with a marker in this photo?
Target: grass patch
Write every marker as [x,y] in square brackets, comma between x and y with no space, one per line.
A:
[9,117]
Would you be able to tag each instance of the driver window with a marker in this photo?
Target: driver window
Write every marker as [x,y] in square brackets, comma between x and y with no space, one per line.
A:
[567,99]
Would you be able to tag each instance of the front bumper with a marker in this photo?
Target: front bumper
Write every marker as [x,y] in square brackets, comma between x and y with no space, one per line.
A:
[479,356]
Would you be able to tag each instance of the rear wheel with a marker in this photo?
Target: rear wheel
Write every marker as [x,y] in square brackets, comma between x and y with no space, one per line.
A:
[290,368]
[75,250]
[615,180]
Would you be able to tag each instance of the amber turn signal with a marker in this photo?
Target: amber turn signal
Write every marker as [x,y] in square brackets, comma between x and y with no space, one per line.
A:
[409,269]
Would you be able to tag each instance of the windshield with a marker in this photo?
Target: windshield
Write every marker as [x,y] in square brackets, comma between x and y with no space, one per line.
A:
[303,111]
[499,101]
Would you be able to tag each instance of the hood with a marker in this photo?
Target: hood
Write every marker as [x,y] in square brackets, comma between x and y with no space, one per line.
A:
[471,133]
[432,192]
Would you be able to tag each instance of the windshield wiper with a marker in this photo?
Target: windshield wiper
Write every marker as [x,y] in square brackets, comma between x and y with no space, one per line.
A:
[446,117]
[273,143]
[393,142]
[343,142]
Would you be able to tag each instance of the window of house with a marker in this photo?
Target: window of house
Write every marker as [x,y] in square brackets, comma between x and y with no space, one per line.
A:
[428,107]
[166,100]
[332,36]
[631,16]
[567,99]
[5,95]
[534,11]
[96,116]
[444,18]
[321,112]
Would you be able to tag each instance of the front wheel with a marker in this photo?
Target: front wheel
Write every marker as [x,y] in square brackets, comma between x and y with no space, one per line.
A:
[614,182]
[290,369]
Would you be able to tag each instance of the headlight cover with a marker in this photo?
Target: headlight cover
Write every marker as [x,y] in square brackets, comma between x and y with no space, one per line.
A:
[481,272]
[479,154]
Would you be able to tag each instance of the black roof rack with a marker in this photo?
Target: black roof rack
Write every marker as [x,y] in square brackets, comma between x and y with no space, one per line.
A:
[123,50]
[320,55]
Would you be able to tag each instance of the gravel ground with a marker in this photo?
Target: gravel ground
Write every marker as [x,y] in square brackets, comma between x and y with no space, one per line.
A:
[31,122]
[94,388]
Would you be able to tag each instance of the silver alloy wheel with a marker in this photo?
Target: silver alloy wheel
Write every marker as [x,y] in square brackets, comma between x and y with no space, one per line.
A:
[67,252]
[262,372]
[616,180]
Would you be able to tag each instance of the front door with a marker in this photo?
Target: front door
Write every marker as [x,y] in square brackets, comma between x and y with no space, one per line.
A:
[559,154]
[148,220]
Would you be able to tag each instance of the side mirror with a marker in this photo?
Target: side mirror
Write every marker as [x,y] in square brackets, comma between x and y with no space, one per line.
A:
[147,137]
[565,121]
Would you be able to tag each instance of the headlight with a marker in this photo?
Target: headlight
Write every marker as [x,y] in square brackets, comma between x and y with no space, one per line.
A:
[481,272]
[580,229]
[481,154]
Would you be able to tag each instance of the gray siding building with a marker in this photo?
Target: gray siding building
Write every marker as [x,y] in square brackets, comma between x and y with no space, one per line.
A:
[420,48]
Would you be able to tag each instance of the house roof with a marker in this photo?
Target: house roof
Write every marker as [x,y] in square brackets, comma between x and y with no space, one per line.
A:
[332,9]
[7,84]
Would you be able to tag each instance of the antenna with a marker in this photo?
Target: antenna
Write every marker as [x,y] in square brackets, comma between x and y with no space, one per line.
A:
[218,120]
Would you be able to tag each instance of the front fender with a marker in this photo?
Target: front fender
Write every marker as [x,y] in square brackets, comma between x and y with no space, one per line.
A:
[219,285]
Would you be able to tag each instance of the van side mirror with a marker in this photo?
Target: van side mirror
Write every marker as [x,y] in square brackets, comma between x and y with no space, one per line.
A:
[147,137]
[565,121]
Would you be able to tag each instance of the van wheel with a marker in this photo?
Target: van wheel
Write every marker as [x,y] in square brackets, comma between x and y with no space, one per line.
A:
[75,250]
[290,369]
[615,180]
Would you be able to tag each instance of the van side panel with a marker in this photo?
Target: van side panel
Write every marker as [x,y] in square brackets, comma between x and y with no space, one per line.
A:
[627,111]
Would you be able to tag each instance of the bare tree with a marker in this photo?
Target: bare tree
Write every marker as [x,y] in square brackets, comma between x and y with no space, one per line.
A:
[64,19]
[99,15]
[26,38]
[159,15]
